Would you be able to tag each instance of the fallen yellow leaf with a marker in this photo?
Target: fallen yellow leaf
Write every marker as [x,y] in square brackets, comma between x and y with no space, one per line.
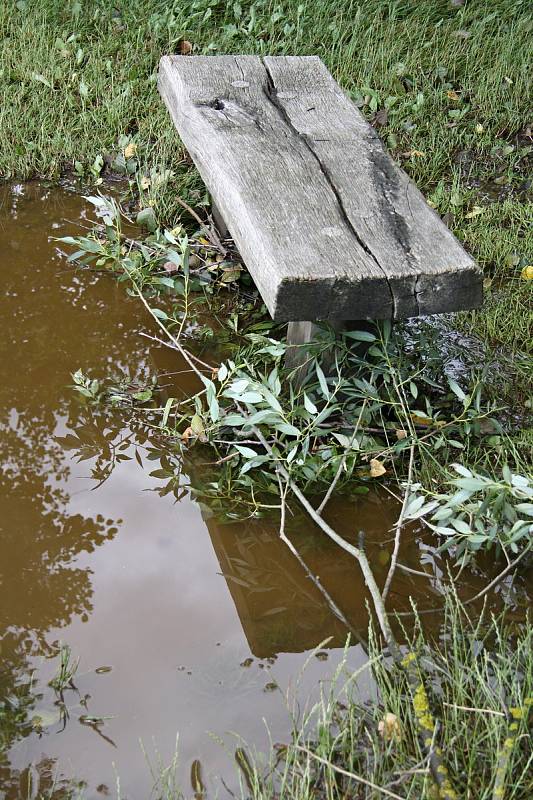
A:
[186,435]
[389,727]
[376,468]
[527,273]
[476,211]
[401,434]
[452,95]
[130,150]
[418,419]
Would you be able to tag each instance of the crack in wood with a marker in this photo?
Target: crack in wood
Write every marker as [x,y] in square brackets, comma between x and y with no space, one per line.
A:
[272,95]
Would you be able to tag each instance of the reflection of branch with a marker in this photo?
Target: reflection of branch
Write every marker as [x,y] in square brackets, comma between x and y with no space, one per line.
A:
[499,577]
[173,339]
[329,600]
[399,526]
[94,724]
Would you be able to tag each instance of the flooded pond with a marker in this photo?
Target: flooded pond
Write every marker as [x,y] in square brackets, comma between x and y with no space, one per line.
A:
[182,625]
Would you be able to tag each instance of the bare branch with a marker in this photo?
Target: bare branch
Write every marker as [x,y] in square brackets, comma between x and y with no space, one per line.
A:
[352,775]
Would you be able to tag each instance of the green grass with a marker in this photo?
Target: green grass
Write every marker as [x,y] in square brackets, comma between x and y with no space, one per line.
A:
[477,673]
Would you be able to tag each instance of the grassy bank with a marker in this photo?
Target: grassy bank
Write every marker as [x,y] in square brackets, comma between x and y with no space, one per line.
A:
[481,680]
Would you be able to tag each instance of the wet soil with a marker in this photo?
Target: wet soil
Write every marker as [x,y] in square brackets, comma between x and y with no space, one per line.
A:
[181,624]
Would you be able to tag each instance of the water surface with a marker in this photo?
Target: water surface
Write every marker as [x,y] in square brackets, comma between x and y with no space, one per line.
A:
[181,624]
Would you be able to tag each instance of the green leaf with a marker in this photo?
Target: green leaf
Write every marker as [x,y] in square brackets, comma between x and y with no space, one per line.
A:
[346,441]
[322,381]
[265,416]
[250,397]
[271,400]
[360,336]
[143,396]
[413,505]
[159,313]
[234,420]
[292,454]
[461,526]
[309,405]
[324,414]
[424,510]
[197,425]
[456,389]
[236,388]
[470,484]
[290,430]
[147,219]
[462,470]
[166,411]
[164,282]
[254,462]
[214,408]
[247,452]
[524,508]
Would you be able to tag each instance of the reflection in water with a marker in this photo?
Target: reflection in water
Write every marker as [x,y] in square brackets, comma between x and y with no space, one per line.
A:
[131,580]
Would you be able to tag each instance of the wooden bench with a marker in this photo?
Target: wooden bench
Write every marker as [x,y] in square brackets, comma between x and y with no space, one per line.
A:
[328,225]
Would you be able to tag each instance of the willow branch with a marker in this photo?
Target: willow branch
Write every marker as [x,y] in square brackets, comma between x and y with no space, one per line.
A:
[342,463]
[399,526]
[211,235]
[425,722]
[313,578]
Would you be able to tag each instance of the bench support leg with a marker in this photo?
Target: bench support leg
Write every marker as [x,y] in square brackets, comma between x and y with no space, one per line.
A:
[298,334]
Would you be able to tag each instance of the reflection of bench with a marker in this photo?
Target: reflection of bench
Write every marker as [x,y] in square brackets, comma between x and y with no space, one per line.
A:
[327,224]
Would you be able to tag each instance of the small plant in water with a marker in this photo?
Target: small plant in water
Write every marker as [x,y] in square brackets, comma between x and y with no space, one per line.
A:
[67,668]
[87,387]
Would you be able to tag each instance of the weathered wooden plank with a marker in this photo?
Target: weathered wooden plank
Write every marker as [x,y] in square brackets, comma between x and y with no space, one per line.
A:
[279,207]
[327,224]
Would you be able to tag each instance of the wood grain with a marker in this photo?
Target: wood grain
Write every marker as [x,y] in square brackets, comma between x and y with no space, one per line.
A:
[327,224]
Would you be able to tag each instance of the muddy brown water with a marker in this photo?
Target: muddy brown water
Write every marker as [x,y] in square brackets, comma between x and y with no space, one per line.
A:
[182,625]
